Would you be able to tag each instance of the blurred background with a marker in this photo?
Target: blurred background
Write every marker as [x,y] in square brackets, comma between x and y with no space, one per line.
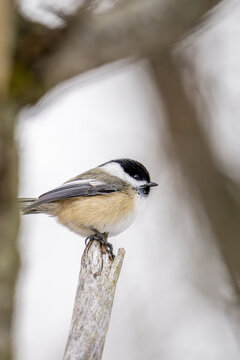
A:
[155,81]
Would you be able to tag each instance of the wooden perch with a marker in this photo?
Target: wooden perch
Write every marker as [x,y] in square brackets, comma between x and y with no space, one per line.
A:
[93,303]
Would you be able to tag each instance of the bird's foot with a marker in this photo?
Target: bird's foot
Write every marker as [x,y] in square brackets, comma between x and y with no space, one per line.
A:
[102,238]
[91,238]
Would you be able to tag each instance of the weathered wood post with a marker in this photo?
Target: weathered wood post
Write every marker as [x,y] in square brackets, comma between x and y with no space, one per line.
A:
[93,303]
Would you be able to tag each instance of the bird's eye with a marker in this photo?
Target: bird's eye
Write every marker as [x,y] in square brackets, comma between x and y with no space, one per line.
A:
[136,177]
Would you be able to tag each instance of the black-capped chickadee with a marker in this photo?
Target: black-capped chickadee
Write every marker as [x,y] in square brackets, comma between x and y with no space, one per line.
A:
[98,203]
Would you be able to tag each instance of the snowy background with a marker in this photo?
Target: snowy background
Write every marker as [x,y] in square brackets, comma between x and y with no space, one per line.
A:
[115,112]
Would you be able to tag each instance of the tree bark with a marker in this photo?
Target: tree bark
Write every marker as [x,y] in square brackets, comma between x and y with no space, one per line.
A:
[93,303]
[9,260]
[9,221]
[6,45]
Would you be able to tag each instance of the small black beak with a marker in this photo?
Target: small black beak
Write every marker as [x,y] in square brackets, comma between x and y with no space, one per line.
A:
[152,184]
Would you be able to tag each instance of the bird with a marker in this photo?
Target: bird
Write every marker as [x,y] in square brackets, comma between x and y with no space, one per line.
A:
[99,203]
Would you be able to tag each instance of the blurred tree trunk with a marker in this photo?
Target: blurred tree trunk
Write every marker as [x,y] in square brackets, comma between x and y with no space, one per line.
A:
[190,148]
[9,260]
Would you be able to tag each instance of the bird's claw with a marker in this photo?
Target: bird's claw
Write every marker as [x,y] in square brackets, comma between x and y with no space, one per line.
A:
[90,238]
[102,238]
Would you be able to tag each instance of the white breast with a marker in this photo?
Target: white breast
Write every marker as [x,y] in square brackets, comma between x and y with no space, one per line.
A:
[124,223]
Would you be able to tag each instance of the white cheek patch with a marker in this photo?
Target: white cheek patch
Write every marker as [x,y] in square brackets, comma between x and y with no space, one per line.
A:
[115,169]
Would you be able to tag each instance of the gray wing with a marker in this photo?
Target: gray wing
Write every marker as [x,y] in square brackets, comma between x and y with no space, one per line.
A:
[79,187]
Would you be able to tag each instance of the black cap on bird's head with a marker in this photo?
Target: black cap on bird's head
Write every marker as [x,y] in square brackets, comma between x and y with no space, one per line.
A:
[134,168]
[138,172]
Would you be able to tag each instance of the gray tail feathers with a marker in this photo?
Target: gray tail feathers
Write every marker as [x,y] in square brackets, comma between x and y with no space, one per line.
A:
[24,204]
